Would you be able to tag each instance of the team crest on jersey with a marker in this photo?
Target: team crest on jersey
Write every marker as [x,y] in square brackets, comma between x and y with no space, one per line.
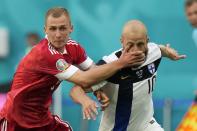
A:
[61,65]
[151,68]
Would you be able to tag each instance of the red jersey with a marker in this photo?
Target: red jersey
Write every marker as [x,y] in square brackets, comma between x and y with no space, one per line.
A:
[37,76]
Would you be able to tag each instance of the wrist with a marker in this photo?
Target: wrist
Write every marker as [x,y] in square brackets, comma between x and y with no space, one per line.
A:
[119,64]
[98,86]
[83,99]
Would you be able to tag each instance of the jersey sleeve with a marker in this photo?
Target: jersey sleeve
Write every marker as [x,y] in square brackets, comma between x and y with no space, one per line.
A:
[154,53]
[83,61]
[56,65]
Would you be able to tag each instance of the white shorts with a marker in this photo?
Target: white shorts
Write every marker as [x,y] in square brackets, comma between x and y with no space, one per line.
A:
[153,126]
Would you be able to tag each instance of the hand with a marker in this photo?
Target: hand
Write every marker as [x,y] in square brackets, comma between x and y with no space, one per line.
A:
[131,58]
[89,109]
[172,53]
[102,98]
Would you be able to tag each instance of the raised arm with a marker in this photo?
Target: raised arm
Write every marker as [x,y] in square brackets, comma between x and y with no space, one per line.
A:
[170,53]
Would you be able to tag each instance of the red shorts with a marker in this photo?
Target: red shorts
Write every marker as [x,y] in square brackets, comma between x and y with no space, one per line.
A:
[56,125]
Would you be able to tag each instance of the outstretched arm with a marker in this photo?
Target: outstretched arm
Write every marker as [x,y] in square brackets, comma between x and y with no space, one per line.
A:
[170,53]
[99,73]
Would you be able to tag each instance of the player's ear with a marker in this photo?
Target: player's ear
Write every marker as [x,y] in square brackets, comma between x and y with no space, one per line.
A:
[147,39]
[121,39]
[45,30]
[71,29]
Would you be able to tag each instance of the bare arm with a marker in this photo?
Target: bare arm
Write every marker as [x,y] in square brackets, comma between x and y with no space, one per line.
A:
[92,76]
[89,106]
[170,53]
[99,73]
[77,93]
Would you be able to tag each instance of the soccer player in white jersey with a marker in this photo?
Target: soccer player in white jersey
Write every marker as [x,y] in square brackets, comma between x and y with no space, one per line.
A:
[130,89]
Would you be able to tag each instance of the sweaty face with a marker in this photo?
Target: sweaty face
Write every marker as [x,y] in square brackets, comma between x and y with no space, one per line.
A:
[58,31]
[191,12]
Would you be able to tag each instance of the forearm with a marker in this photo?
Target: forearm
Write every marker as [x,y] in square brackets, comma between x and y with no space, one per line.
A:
[78,95]
[170,53]
[99,73]
[87,78]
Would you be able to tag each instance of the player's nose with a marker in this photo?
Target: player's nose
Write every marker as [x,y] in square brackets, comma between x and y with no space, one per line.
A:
[135,48]
[58,33]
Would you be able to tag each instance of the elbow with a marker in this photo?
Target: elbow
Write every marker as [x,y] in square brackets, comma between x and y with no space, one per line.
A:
[85,84]
[84,80]
[72,91]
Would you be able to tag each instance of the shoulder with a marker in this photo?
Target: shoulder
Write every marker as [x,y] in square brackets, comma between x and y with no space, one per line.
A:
[153,54]
[73,43]
[73,46]
[153,46]
[44,52]
[154,50]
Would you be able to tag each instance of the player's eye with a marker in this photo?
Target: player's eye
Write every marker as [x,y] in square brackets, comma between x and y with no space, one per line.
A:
[141,44]
[63,28]
[130,44]
[52,28]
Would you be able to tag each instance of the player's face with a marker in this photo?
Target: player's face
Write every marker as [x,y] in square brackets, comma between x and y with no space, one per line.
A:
[136,43]
[191,13]
[58,31]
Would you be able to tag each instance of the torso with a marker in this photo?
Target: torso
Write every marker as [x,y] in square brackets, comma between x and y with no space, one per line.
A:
[30,96]
[130,92]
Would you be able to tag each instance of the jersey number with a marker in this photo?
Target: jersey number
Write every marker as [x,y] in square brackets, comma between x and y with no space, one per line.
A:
[151,83]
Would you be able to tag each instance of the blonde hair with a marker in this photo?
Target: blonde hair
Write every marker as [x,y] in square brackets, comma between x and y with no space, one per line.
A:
[57,12]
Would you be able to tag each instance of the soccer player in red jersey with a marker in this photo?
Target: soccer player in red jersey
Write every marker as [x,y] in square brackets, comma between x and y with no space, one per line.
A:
[41,71]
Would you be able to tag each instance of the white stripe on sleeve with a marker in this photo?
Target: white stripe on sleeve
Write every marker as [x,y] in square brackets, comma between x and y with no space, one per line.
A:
[67,73]
[86,64]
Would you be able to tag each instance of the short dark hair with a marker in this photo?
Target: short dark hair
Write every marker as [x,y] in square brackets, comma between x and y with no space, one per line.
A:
[56,12]
[189,2]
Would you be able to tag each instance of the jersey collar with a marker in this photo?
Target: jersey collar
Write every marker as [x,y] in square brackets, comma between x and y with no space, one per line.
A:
[65,51]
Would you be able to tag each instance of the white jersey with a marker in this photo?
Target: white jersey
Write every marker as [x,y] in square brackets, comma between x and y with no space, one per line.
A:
[130,93]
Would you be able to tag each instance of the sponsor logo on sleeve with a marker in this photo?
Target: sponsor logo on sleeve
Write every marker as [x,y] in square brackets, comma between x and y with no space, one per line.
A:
[61,65]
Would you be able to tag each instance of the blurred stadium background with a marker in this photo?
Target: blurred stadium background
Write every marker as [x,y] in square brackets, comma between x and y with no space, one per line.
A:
[97,26]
